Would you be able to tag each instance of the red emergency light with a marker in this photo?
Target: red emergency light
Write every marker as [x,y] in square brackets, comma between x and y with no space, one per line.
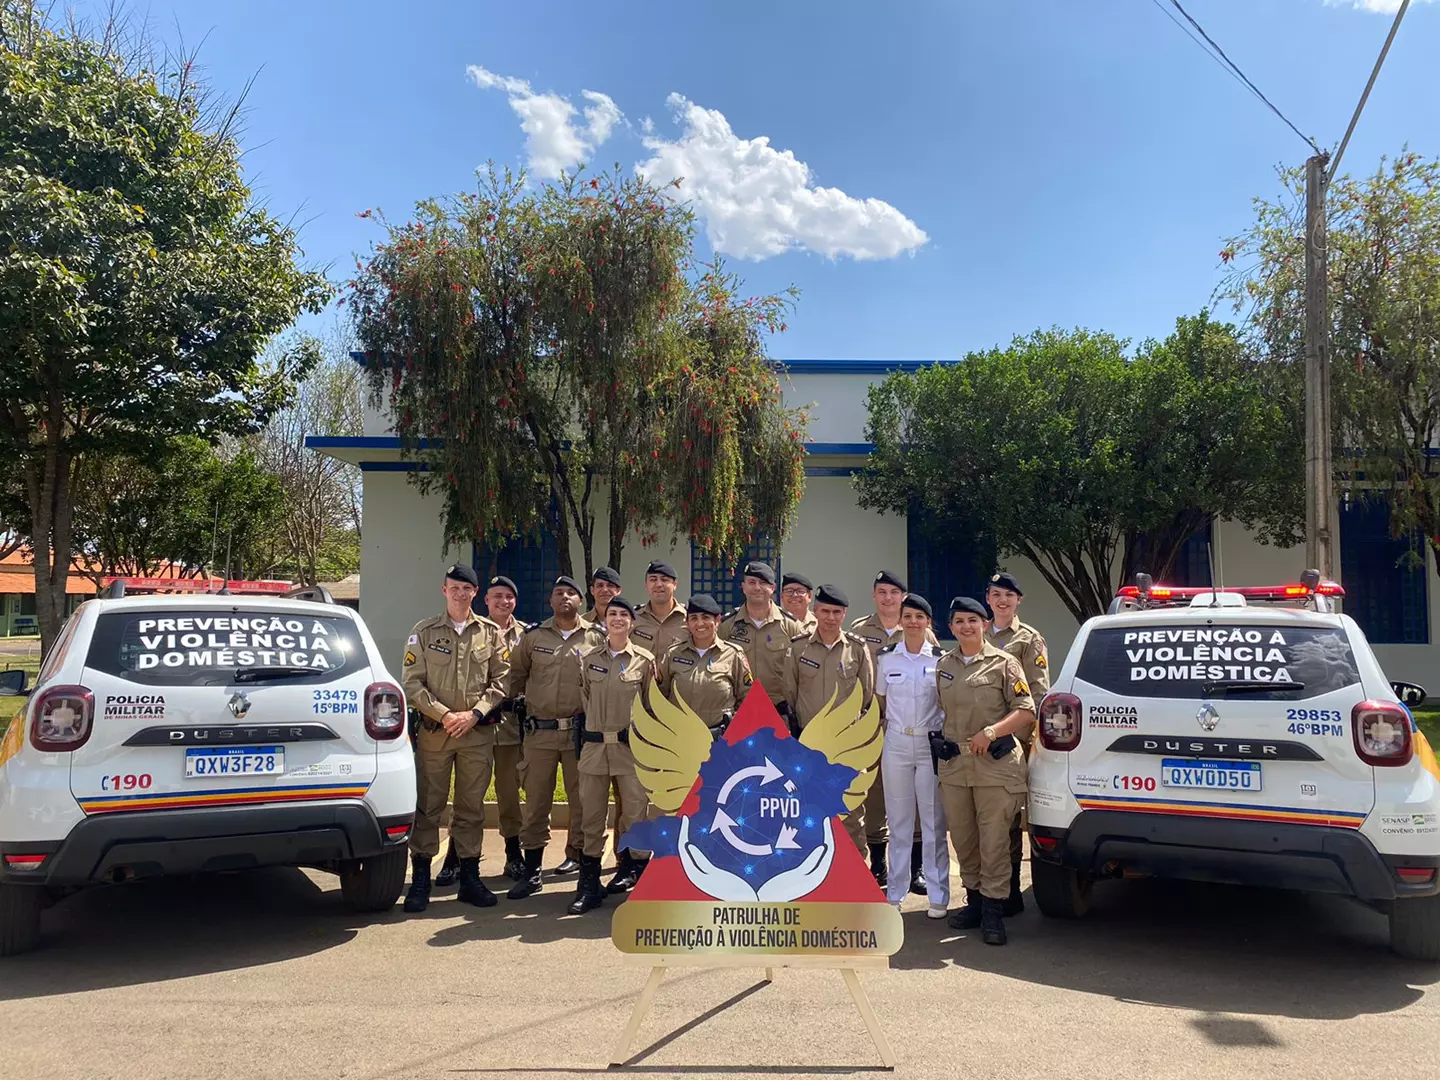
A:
[200,585]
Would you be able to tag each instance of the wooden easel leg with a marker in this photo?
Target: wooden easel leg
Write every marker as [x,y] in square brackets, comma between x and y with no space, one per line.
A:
[862,1003]
[770,975]
[642,1006]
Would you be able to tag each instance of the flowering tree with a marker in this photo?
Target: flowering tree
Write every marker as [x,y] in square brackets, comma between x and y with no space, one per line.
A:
[546,355]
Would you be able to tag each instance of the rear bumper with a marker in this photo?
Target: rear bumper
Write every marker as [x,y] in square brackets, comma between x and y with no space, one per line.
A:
[1306,857]
[120,846]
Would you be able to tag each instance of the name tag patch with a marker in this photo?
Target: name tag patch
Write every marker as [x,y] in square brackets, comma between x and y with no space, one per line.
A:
[683,660]
[642,633]
[945,675]
[808,662]
[542,648]
[601,670]
[440,649]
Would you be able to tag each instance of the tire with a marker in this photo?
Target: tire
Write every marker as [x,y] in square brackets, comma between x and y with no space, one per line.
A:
[1415,928]
[20,907]
[1060,893]
[374,884]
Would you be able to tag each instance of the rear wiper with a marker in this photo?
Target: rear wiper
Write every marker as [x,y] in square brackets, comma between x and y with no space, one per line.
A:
[255,674]
[1244,686]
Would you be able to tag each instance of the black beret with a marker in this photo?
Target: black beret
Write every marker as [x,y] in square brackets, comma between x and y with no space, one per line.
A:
[461,572]
[503,582]
[797,579]
[885,577]
[702,604]
[621,602]
[569,583]
[604,573]
[664,568]
[764,571]
[832,594]
[969,604]
[919,603]
[1002,580]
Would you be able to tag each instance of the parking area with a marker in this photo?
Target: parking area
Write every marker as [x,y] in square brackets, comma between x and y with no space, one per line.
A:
[185,978]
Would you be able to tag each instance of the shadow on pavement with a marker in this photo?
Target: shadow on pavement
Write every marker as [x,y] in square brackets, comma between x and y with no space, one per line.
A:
[537,919]
[1212,948]
[173,928]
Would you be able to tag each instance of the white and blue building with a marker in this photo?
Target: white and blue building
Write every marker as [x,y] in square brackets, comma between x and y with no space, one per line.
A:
[403,553]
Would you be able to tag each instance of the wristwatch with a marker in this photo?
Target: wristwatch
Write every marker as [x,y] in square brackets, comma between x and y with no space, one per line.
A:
[990,733]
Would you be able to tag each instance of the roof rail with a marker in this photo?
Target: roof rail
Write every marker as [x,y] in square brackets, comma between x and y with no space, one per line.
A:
[115,590]
[317,594]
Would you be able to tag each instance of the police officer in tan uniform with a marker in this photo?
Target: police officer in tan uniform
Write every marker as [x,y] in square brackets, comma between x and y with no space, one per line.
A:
[879,630]
[611,673]
[660,621]
[604,586]
[762,630]
[500,600]
[829,661]
[455,671]
[796,594]
[987,706]
[711,676]
[1023,642]
[542,672]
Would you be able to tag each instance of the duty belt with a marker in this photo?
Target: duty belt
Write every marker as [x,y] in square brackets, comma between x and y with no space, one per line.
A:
[532,724]
[609,736]
[913,730]
[432,725]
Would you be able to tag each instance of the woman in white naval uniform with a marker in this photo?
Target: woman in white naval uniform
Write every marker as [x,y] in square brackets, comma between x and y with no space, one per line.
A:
[910,703]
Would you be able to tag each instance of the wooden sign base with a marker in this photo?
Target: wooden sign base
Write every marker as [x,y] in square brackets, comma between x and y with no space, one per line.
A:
[846,965]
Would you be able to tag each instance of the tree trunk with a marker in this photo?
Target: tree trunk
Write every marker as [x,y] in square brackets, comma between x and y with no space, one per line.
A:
[617,525]
[47,485]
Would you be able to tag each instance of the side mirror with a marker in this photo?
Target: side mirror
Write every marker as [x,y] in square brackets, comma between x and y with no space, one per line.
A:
[1412,694]
[13,682]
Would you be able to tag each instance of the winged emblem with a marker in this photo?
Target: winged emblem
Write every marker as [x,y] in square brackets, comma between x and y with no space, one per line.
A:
[761,824]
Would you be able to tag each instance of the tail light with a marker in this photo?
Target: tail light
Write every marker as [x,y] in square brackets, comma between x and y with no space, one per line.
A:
[1060,722]
[1382,733]
[1415,875]
[384,711]
[62,718]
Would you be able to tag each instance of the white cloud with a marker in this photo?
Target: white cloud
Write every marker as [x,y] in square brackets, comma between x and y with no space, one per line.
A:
[1388,7]
[757,201]
[554,141]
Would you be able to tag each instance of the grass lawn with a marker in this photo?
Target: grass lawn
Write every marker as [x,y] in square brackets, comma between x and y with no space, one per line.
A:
[1429,721]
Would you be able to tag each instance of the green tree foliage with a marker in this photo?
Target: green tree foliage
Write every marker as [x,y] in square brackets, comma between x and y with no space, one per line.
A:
[547,356]
[1384,277]
[1081,460]
[138,280]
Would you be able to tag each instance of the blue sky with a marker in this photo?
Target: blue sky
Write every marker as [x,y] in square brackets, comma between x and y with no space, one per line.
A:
[1033,162]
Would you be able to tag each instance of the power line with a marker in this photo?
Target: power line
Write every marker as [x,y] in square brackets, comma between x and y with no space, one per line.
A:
[1218,54]
[1160,7]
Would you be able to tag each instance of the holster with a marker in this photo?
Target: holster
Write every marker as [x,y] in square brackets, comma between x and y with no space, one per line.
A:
[517,710]
[1002,746]
[577,731]
[791,720]
[490,718]
[719,729]
[941,749]
[412,721]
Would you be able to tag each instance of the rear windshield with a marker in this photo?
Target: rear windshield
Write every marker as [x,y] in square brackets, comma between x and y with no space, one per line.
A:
[210,648]
[1181,661]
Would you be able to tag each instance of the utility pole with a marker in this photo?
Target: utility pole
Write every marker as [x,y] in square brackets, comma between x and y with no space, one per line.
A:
[1319,474]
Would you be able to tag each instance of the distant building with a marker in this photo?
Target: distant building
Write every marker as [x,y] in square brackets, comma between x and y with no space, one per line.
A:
[17,594]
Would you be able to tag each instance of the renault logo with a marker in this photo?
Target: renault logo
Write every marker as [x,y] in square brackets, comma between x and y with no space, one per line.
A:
[239,705]
[1208,717]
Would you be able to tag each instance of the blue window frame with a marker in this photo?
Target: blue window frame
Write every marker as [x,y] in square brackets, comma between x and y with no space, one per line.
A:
[533,563]
[721,578]
[1384,575]
[943,563]
[1191,569]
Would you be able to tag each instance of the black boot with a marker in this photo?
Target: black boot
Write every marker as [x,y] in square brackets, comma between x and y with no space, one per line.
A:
[590,894]
[1014,904]
[533,881]
[992,922]
[877,864]
[627,873]
[446,877]
[418,898]
[968,917]
[472,889]
[569,866]
[515,868]
[917,869]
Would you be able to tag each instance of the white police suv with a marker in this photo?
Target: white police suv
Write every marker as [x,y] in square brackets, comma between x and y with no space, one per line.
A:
[1239,735]
[176,734]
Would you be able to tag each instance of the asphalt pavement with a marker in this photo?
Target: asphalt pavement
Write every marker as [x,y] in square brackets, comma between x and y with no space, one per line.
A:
[266,974]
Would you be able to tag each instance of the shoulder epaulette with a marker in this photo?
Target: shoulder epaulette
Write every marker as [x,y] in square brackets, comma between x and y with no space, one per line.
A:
[801,637]
[857,622]
[887,648]
[855,638]
[532,628]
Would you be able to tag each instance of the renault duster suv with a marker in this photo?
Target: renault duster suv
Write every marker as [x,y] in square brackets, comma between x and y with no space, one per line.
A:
[176,734]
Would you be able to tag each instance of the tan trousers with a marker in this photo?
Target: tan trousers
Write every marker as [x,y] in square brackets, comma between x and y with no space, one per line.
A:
[979,819]
[507,788]
[595,808]
[539,768]
[471,763]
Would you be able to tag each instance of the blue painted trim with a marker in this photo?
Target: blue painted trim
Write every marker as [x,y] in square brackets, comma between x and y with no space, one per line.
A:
[358,442]
[831,470]
[858,367]
[835,449]
[393,466]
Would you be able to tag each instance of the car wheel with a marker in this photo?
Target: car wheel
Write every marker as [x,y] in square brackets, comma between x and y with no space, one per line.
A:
[1060,893]
[374,884]
[1415,927]
[20,907]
